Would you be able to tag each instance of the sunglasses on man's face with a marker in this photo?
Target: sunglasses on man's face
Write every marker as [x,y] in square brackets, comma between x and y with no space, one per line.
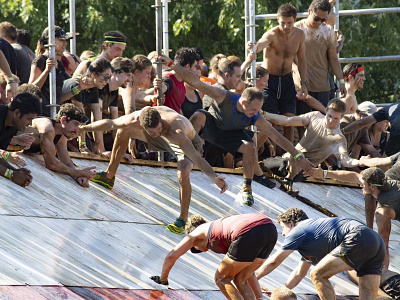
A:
[318,19]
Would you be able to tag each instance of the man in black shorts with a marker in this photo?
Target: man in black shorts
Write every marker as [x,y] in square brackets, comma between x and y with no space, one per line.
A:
[282,45]
[332,245]
[225,122]
[246,240]
[378,187]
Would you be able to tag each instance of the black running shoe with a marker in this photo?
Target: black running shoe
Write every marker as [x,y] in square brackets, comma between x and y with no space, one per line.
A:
[264,180]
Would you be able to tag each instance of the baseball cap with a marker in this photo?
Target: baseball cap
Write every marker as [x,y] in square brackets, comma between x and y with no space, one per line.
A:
[200,54]
[367,107]
[374,176]
[59,33]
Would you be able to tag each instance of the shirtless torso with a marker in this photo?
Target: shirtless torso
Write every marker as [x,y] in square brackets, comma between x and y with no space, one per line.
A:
[280,49]
[173,124]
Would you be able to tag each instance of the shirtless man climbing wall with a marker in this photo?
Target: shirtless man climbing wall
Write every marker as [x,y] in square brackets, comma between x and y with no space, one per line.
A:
[282,45]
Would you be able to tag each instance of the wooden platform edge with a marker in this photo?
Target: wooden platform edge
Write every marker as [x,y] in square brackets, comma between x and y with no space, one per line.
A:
[238,171]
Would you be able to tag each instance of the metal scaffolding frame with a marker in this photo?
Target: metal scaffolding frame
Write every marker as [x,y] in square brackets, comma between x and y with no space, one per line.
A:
[52,54]
[353,12]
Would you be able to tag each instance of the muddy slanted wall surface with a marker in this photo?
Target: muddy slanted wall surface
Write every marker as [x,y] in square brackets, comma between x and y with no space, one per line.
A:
[62,241]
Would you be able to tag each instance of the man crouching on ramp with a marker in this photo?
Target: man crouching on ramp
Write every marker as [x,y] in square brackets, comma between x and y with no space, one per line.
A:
[225,122]
[162,129]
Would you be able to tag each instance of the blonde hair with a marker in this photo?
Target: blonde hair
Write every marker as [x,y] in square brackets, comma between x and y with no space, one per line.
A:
[282,293]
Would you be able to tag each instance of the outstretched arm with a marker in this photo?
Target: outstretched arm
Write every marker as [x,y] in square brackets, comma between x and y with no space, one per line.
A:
[285,121]
[51,161]
[172,257]
[348,176]
[298,274]
[347,161]
[272,263]
[109,124]
[192,79]
[357,125]
[262,43]
[379,162]
[273,134]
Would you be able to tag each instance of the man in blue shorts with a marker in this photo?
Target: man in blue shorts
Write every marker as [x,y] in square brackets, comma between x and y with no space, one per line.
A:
[332,245]
[378,187]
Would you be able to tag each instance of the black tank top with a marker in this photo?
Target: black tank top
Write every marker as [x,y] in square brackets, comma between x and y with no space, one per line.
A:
[189,108]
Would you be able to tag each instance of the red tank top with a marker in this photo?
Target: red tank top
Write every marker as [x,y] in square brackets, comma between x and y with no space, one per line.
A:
[177,95]
[224,231]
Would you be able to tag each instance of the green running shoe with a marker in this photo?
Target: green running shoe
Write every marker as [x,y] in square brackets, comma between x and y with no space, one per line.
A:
[102,179]
[177,227]
[247,196]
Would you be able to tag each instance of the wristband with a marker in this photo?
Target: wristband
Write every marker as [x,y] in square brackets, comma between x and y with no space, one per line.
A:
[170,63]
[304,83]
[325,174]
[341,81]
[298,156]
[75,91]
[82,144]
[343,130]
[264,113]
[5,154]
[10,80]
[8,173]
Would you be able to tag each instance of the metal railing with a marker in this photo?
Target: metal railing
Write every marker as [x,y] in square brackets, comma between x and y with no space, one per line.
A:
[352,12]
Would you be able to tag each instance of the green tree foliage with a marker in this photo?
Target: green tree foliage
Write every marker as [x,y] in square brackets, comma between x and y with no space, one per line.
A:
[374,35]
[216,26]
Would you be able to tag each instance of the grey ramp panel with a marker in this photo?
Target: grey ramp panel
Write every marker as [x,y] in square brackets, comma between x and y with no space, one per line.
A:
[116,239]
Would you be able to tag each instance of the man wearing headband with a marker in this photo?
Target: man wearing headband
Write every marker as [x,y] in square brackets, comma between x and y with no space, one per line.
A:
[354,77]
[321,54]
[51,136]
[113,46]
[384,188]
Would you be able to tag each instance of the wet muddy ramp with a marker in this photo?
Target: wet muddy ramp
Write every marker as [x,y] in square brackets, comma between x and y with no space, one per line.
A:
[60,241]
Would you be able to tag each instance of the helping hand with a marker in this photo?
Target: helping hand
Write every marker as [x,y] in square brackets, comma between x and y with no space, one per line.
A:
[221,183]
